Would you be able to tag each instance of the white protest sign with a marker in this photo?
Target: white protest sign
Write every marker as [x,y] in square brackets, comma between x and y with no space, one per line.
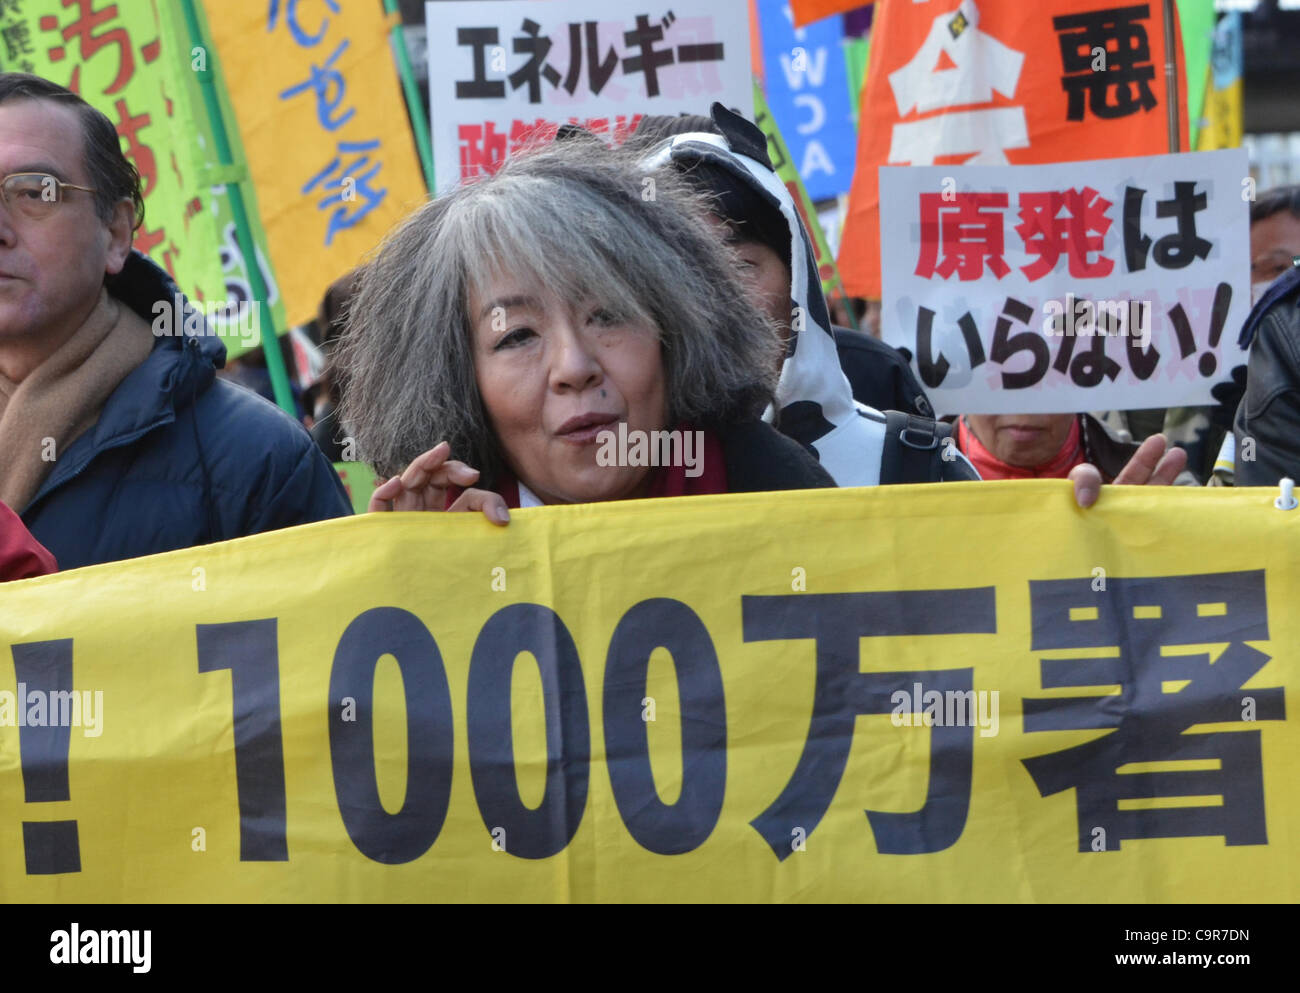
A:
[505,72]
[1116,284]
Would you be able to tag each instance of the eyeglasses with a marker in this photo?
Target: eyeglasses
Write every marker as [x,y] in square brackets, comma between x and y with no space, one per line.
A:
[1268,267]
[35,194]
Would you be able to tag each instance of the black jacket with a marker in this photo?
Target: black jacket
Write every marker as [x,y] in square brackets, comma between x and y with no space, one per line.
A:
[1104,450]
[1267,424]
[759,458]
[879,374]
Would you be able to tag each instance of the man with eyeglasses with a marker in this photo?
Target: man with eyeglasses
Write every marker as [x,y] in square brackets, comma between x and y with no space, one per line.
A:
[114,442]
[1206,432]
[1266,427]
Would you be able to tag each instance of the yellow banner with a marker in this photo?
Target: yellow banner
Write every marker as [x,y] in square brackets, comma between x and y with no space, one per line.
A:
[1223,127]
[935,693]
[325,133]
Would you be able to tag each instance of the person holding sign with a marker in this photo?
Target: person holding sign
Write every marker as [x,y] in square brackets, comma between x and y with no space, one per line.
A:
[571,330]
[727,159]
[1066,446]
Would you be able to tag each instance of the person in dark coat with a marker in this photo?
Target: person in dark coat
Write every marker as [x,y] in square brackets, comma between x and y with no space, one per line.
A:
[550,335]
[115,439]
[1266,427]
[1207,432]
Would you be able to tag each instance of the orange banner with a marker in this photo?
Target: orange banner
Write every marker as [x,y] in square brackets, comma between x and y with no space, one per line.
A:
[983,82]
[807,11]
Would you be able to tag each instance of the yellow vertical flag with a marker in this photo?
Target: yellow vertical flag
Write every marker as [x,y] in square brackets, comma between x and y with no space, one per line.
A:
[324,131]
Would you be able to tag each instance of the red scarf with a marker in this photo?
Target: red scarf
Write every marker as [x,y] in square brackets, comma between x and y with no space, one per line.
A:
[665,481]
[989,466]
[21,555]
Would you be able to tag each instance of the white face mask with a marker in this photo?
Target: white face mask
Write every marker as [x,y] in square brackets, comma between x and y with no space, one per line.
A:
[1257,290]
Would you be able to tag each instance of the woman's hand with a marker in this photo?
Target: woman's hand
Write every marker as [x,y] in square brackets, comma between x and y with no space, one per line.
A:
[1151,465]
[424,485]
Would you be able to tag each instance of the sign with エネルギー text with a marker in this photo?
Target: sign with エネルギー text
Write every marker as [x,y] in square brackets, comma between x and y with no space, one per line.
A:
[724,698]
[502,75]
[991,82]
[324,129]
[807,92]
[1110,285]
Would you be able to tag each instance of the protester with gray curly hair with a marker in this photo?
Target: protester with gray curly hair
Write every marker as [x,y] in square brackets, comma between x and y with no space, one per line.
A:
[571,330]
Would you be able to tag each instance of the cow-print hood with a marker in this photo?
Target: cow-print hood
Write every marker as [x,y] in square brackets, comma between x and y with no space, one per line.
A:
[814,403]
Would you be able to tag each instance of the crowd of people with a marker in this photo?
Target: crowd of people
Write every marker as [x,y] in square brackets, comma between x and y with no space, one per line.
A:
[485,355]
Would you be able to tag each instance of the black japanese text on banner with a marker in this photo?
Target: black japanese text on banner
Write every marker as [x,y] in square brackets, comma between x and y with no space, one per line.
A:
[1113,284]
[740,697]
[501,74]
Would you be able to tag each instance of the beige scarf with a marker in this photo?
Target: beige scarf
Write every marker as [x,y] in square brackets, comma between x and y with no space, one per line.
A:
[61,398]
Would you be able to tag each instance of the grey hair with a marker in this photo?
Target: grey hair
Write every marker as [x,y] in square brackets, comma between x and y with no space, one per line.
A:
[585,222]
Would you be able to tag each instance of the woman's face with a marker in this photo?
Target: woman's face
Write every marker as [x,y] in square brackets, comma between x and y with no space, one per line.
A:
[553,375]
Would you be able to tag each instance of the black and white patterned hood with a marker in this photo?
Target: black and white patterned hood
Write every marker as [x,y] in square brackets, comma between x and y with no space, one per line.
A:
[813,398]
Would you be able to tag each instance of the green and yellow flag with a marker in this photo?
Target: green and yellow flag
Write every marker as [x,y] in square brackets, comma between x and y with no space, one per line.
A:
[131,62]
[1221,120]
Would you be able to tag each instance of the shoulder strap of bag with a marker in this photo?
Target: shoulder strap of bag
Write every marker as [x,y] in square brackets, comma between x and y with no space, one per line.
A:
[912,449]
